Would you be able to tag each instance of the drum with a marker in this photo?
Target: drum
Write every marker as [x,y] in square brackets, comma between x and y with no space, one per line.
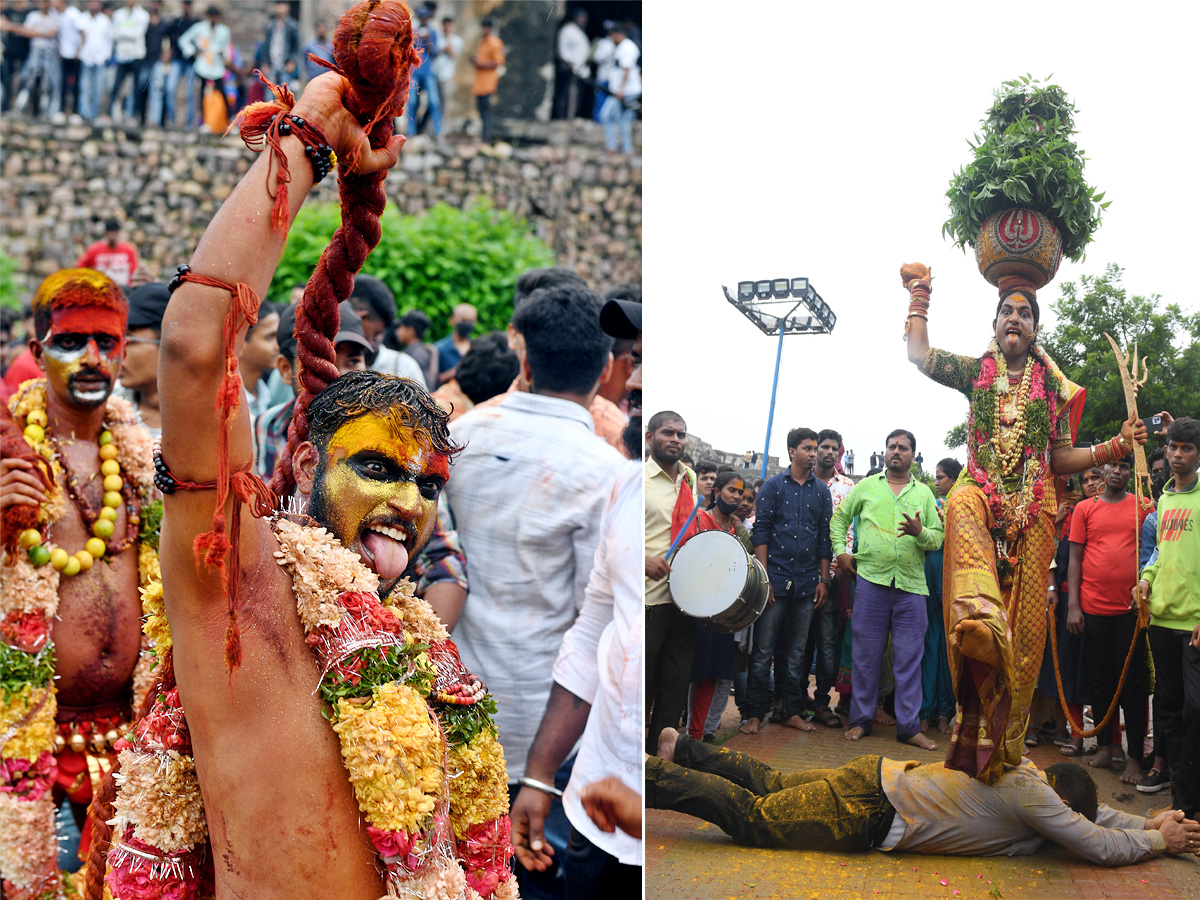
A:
[715,580]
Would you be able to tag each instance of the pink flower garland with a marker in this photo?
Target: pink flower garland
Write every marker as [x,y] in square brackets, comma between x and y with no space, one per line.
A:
[132,877]
[485,853]
[28,780]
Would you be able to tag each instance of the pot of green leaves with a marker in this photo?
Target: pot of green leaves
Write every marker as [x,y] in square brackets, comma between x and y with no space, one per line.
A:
[1022,203]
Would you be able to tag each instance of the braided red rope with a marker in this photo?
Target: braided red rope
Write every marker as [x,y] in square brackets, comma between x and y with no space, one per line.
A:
[374,50]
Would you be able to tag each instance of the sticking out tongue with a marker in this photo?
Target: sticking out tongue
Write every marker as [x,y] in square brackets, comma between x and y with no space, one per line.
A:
[388,557]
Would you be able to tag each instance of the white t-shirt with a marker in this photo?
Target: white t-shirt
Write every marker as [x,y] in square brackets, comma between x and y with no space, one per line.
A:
[69,38]
[445,64]
[626,59]
[39,21]
[602,56]
[129,33]
[97,43]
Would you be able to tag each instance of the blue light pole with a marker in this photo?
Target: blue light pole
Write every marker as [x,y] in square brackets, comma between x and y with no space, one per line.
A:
[761,303]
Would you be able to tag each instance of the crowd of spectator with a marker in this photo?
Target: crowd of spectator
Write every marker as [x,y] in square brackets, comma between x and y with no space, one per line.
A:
[855,572]
[127,61]
[599,78]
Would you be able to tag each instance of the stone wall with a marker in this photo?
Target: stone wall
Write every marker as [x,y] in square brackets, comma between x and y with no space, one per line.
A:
[58,184]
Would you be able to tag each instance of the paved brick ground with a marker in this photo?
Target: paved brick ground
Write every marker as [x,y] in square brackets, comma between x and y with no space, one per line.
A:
[692,860]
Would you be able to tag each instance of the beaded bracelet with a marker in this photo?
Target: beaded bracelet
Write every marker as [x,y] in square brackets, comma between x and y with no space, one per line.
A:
[315,148]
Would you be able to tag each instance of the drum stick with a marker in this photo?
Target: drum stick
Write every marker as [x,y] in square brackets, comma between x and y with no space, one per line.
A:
[686,526]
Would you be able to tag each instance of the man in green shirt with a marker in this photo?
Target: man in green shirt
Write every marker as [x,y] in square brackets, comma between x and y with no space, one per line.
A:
[897,524]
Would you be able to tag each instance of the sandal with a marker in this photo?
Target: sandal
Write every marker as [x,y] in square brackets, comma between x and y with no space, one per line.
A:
[1073,748]
[1118,759]
[1032,739]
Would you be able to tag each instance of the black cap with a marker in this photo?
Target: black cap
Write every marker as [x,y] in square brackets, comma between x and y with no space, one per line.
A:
[350,329]
[621,319]
[147,303]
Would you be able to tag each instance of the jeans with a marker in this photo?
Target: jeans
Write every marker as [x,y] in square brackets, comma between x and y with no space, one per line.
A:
[90,78]
[1106,642]
[425,83]
[593,874]
[484,105]
[878,611]
[157,96]
[786,620]
[670,651]
[43,62]
[174,74]
[842,809]
[1177,711]
[821,646]
[614,115]
[70,85]
[130,69]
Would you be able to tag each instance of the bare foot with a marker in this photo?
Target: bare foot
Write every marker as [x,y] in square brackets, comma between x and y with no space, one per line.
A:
[750,727]
[882,717]
[944,725]
[1132,773]
[799,724]
[666,744]
[855,733]
[1102,759]
[977,641]
[920,740]
[924,725]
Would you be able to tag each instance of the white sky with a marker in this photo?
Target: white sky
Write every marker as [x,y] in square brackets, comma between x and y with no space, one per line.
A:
[782,139]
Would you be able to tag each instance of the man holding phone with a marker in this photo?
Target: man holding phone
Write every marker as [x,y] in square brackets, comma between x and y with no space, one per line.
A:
[791,540]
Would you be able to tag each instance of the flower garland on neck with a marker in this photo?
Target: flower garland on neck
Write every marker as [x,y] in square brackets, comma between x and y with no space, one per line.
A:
[29,582]
[415,730]
[1013,477]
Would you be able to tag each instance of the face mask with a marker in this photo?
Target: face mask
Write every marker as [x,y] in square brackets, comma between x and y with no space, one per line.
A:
[725,506]
[464,329]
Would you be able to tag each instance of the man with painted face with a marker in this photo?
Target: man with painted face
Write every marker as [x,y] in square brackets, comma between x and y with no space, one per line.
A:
[85,545]
[1000,515]
[368,464]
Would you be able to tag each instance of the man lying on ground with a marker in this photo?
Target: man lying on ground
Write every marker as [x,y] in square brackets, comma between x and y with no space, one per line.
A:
[873,802]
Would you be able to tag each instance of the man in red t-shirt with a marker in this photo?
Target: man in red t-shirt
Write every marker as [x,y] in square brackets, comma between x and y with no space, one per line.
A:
[1100,578]
[111,256]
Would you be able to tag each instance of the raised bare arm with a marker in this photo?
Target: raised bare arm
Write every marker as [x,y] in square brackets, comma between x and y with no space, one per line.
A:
[240,245]
[917,332]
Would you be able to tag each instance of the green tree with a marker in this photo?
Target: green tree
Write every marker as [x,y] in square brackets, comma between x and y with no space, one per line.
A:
[431,262]
[10,294]
[1166,338]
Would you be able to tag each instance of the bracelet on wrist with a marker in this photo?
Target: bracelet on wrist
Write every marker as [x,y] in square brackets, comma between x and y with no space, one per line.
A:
[539,786]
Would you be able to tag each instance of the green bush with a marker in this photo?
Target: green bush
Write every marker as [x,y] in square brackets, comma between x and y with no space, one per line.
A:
[431,262]
[10,292]
[1027,158]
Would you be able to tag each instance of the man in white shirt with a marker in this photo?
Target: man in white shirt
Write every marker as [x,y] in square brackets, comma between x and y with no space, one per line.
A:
[570,64]
[96,47]
[597,690]
[528,494]
[129,47]
[42,64]
[69,40]
[445,64]
[625,86]
[876,803]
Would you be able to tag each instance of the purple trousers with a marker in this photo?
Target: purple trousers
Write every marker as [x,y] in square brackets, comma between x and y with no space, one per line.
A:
[878,611]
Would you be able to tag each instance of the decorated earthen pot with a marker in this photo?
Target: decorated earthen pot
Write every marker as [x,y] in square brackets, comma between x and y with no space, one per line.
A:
[1018,242]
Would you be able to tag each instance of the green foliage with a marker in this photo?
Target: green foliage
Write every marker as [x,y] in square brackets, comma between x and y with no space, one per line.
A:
[18,669]
[462,723]
[10,292]
[1026,158]
[360,672]
[1166,337]
[151,525]
[957,436]
[431,262]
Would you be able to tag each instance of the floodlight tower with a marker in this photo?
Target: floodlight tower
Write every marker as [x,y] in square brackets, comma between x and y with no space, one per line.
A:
[771,306]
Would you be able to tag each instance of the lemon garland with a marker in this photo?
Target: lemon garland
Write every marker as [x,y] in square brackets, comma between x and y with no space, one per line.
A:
[415,733]
[29,584]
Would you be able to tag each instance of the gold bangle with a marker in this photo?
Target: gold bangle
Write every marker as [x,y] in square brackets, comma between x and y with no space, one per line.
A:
[1093,449]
